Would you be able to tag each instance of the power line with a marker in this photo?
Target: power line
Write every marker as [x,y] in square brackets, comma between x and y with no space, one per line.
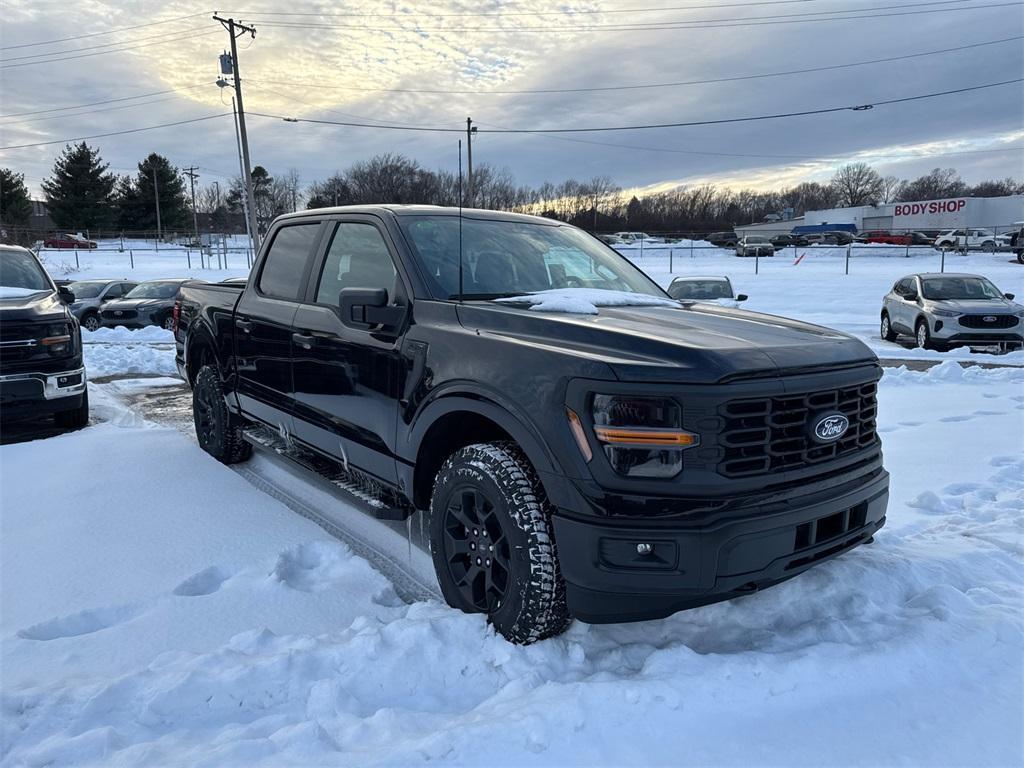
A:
[111,50]
[110,101]
[98,34]
[601,129]
[737,78]
[115,133]
[665,26]
[91,111]
[161,36]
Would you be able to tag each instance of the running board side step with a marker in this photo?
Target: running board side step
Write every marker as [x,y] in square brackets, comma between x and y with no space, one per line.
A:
[350,486]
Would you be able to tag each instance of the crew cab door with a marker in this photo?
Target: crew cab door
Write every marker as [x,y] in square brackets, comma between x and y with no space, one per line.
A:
[347,380]
[263,324]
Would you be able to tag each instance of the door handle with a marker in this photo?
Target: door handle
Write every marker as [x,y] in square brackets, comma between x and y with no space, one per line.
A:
[304,341]
[243,325]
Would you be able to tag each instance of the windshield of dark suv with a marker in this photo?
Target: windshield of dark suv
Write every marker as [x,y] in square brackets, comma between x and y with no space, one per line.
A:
[20,271]
[508,258]
[154,290]
[958,288]
[86,290]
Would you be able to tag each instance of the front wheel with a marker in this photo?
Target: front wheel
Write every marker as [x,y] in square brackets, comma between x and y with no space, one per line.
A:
[217,430]
[91,322]
[885,330]
[168,323]
[923,336]
[492,543]
[988,246]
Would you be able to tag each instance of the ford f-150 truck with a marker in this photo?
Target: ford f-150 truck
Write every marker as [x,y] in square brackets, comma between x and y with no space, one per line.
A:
[580,444]
[41,370]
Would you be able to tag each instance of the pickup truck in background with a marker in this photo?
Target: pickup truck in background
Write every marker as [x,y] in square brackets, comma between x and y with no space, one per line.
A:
[580,444]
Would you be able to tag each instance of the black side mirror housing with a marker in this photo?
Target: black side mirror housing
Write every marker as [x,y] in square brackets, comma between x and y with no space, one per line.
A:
[910,297]
[741,297]
[65,294]
[1009,296]
[366,308]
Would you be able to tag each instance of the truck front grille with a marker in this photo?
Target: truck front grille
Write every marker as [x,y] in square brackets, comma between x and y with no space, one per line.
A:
[979,321]
[773,434]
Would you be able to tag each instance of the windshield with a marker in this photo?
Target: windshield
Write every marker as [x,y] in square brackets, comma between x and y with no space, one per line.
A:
[508,258]
[698,290]
[954,288]
[86,290]
[154,290]
[20,269]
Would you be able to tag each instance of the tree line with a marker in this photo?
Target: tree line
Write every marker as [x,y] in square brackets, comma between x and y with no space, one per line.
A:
[81,194]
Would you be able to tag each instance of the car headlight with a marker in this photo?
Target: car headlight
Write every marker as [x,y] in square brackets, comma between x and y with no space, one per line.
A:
[945,313]
[642,436]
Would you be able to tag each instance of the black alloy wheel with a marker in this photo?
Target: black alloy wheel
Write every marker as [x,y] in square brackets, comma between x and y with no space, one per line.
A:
[476,549]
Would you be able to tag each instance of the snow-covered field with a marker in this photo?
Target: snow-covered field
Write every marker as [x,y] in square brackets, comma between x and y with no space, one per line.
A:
[159,609]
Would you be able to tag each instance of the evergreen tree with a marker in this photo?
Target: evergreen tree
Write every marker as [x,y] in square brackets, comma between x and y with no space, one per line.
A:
[138,198]
[15,205]
[79,194]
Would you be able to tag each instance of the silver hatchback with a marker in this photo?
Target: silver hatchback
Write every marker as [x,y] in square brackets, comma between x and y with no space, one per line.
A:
[90,295]
[947,310]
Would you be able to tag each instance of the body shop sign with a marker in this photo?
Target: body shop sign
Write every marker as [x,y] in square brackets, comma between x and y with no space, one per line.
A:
[935,206]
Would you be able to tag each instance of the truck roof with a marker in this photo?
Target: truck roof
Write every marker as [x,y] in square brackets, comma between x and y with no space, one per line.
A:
[426,210]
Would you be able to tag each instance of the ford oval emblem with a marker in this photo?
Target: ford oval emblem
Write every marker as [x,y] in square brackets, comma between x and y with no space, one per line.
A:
[989,318]
[830,427]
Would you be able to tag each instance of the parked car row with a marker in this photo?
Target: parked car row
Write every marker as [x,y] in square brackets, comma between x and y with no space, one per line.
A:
[99,303]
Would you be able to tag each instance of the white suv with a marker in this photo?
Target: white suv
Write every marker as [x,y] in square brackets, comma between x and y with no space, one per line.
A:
[967,239]
[946,310]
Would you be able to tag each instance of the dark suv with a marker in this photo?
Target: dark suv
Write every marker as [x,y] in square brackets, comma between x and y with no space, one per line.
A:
[41,371]
[580,444]
[148,303]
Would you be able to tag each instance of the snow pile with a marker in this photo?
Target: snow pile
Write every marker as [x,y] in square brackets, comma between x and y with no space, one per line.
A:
[202,623]
[585,301]
[121,351]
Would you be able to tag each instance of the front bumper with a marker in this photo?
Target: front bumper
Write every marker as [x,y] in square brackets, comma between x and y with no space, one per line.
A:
[692,564]
[949,331]
[32,393]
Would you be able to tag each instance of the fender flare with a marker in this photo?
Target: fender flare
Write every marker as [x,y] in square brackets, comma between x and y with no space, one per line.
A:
[200,334]
[490,405]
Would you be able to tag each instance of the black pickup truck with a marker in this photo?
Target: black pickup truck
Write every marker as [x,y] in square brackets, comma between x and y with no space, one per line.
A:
[581,445]
[41,371]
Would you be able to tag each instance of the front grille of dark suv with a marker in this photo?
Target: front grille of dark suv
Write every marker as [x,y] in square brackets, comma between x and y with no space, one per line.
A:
[978,321]
[120,314]
[773,434]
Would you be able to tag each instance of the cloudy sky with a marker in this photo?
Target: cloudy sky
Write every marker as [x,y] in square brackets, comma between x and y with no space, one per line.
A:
[141,63]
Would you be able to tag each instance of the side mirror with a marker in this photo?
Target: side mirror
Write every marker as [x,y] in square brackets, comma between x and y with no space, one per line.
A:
[741,297]
[1009,296]
[65,294]
[365,308]
[910,297]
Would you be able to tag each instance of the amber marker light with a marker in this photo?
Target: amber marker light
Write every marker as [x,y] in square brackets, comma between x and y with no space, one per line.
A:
[576,426]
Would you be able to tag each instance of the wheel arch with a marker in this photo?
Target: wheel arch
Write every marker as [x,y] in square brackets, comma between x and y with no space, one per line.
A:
[200,350]
[454,421]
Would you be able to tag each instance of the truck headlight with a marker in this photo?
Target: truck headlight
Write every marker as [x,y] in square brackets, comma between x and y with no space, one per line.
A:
[57,339]
[642,436]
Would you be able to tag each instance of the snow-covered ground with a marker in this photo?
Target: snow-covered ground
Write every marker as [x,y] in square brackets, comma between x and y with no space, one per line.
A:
[157,608]
[811,284]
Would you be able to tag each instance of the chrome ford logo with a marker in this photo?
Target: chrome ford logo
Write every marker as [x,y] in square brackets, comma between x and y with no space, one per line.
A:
[989,318]
[118,312]
[830,428]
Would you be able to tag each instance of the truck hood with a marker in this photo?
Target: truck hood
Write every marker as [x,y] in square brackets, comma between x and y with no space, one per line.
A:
[42,306]
[692,343]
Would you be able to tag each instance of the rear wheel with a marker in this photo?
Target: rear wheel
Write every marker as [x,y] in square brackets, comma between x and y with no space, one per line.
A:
[885,329]
[218,432]
[989,246]
[492,543]
[76,419]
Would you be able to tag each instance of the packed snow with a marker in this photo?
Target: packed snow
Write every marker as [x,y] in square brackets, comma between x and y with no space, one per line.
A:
[160,609]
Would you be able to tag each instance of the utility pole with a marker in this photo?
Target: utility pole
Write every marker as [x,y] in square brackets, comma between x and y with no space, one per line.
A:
[192,176]
[235,30]
[470,130]
[156,195]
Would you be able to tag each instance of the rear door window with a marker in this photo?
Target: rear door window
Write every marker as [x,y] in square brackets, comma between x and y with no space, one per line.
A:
[285,263]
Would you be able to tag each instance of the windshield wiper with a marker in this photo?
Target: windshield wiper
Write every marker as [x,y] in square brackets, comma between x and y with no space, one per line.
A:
[484,296]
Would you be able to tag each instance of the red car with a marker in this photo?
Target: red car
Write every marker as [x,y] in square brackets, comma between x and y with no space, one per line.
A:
[887,237]
[68,241]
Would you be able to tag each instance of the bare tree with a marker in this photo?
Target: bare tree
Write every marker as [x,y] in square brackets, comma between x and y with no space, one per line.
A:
[857,184]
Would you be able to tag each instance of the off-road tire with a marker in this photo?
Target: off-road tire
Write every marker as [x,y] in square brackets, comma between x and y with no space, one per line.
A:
[76,419]
[885,328]
[533,605]
[218,432]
